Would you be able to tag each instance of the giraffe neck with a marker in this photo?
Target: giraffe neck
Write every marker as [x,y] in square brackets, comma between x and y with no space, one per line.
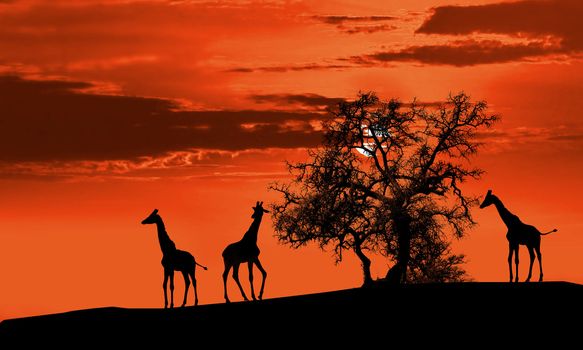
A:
[166,244]
[507,217]
[251,234]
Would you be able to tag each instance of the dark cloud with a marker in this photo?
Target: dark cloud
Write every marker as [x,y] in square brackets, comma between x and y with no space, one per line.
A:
[369,29]
[322,103]
[336,20]
[358,24]
[460,53]
[428,104]
[240,70]
[524,135]
[312,101]
[570,137]
[548,29]
[546,17]
[53,120]
[288,68]
[559,19]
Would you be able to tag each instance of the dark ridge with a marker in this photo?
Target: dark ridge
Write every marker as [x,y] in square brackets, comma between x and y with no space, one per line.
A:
[436,314]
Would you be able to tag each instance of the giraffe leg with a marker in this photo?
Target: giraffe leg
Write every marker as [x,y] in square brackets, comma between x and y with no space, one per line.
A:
[192,277]
[236,278]
[186,286]
[264,273]
[171,289]
[225,276]
[516,262]
[540,262]
[510,251]
[531,254]
[250,264]
[164,286]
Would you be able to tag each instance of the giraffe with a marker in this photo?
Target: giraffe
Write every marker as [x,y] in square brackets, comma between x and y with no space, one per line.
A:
[518,233]
[245,250]
[173,260]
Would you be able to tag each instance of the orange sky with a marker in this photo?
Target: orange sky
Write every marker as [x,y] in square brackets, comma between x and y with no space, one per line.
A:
[110,108]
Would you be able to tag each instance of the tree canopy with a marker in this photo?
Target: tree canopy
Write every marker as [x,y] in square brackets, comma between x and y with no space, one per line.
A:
[387,179]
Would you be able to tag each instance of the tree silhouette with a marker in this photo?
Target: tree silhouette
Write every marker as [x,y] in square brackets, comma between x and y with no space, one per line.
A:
[387,180]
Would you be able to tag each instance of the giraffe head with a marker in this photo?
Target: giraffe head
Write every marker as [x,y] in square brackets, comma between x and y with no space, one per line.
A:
[151,219]
[488,200]
[258,211]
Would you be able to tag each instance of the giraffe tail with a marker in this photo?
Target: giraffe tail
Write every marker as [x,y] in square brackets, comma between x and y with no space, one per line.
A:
[204,267]
[546,233]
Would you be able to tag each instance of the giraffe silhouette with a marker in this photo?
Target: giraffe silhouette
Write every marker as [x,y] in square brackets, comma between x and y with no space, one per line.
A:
[245,250]
[518,233]
[173,260]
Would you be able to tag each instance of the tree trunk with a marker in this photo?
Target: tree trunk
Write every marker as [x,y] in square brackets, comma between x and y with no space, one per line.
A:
[365,266]
[398,273]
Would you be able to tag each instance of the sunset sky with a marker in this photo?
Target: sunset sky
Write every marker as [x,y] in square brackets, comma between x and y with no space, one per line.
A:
[111,108]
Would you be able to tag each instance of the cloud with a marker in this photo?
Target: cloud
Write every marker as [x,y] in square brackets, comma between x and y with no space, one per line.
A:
[289,68]
[154,47]
[369,29]
[51,120]
[337,20]
[461,53]
[510,138]
[321,103]
[522,18]
[566,137]
[520,31]
[358,24]
[184,165]
[308,101]
[111,63]
[548,26]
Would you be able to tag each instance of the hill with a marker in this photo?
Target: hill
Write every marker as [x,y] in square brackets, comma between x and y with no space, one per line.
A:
[430,312]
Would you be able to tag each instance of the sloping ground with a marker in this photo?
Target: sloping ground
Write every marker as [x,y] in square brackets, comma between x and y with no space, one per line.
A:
[416,314]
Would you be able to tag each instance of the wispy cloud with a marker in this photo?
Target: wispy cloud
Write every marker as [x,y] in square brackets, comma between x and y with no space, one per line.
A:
[289,68]
[154,47]
[358,24]
[308,101]
[112,63]
[497,140]
[337,20]
[250,165]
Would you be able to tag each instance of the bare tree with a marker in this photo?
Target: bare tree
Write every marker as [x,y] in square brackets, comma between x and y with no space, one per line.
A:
[387,179]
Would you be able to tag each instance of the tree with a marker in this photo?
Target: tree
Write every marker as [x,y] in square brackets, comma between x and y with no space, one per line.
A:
[387,179]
